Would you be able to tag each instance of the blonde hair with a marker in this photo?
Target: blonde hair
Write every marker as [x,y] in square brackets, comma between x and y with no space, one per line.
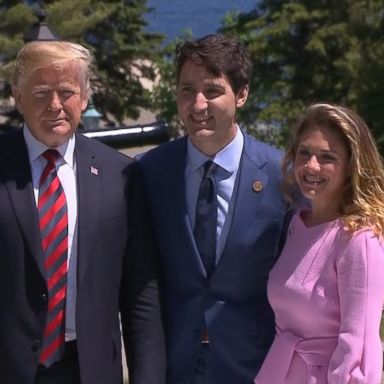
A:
[41,54]
[362,201]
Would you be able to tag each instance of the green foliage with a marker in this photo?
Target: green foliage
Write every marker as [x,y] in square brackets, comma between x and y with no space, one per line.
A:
[125,56]
[302,51]
[80,17]
[163,96]
[113,30]
[13,24]
[305,51]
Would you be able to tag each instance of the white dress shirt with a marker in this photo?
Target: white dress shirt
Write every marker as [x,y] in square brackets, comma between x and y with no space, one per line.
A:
[66,172]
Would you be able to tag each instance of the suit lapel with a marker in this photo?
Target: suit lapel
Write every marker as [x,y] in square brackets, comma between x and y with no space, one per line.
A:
[18,182]
[88,174]
[175,179]
[175,188]
[173,183]
[249,192]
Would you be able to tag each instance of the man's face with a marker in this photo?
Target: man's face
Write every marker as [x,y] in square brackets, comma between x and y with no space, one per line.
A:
[51,100]
[207,106]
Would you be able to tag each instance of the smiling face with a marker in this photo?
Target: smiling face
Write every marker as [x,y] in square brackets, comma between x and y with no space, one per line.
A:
[207,107]
[321,168]
[51,100]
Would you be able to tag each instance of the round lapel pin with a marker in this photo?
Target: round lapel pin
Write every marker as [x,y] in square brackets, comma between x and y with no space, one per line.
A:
[257,186]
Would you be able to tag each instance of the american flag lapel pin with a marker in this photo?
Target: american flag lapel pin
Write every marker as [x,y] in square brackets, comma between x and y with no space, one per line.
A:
[94,171]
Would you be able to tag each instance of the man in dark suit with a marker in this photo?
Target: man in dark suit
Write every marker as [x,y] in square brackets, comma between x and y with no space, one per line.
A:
[219,324]
[75,243]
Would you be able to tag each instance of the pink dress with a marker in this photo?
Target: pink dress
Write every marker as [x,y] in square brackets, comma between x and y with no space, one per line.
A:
[327,292]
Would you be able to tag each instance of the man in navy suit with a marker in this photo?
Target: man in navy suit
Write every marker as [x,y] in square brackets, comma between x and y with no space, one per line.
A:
[219,325]
[64,282]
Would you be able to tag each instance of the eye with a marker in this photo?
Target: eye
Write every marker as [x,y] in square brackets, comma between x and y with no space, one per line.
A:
[327,158]
[212,93]
[66,93]
[185,89]
[302,152]
[40,94]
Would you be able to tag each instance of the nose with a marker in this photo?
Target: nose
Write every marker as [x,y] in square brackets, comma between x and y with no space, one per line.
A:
[200,102]
[55,103]
[313,163]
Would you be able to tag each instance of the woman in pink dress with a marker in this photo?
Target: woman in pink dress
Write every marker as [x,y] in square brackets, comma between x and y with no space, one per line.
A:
[327,287]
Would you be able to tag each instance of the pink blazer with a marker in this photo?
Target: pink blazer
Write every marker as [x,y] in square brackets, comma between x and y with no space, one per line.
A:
[327,292]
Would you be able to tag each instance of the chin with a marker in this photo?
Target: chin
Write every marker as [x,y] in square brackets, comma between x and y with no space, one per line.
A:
[57,138]
[203,132]
[62,130]
[309,194]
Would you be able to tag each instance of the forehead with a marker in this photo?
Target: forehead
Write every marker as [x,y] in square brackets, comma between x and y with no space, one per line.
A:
[52,75]
[324,137]
[193,73]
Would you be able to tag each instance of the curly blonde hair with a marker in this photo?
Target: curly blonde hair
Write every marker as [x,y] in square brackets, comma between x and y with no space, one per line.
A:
[362,200]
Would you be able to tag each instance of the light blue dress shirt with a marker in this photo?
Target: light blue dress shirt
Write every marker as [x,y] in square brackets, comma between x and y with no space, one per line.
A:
[228,160]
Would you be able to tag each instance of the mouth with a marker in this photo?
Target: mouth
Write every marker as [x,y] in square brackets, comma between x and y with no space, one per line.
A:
[200,119]
[55,121]
[313,181]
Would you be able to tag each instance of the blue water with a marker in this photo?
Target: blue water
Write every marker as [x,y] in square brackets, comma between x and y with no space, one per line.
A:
[172,17]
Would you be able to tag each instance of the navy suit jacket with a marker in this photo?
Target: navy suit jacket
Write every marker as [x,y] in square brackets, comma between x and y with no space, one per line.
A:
[233,301]
[116,269]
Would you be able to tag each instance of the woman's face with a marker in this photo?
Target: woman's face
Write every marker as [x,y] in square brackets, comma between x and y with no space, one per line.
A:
[321,166]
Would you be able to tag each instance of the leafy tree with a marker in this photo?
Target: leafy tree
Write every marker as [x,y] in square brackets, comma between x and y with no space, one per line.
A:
[369,86]
[113,30]
[164,91]
[125,56]
[305,51]
[14,18]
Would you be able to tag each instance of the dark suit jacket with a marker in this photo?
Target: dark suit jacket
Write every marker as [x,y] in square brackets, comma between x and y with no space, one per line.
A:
[233,302]
[116,269]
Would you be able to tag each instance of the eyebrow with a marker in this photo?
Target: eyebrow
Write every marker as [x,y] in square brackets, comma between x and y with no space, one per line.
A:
[41,88]
[63,86]
[215,85]
[321,150]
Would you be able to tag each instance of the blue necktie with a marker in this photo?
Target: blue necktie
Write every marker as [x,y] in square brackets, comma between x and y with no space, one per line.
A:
[206,218]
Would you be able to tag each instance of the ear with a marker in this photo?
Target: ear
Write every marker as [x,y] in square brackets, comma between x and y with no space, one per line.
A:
[84,104]
[241,96]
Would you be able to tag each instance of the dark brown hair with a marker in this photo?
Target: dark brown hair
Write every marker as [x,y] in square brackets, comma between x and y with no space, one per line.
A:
[220,55]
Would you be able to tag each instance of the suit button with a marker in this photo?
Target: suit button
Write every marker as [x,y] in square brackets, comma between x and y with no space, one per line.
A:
[43,297]
[35,345]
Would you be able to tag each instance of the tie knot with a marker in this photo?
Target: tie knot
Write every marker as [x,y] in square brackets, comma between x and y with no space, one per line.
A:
[209,168]
[51,155]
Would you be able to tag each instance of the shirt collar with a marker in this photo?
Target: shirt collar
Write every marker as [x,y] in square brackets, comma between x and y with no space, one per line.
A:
[228,158]
[36,148]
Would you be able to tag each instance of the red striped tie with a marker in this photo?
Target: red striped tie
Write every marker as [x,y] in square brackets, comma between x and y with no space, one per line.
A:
[53,218]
